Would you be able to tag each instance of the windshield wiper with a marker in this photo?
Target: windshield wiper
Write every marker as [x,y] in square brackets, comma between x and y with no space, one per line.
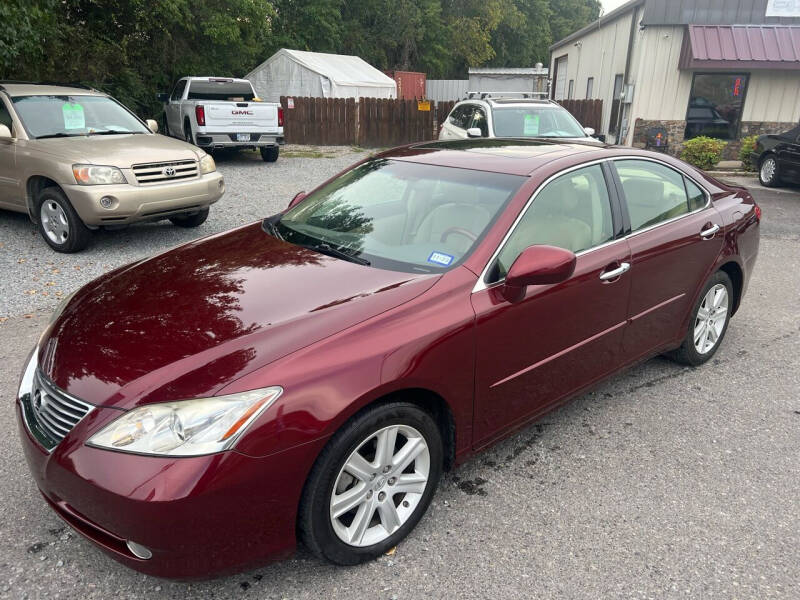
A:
[339,253]
[111,132]
[58,135]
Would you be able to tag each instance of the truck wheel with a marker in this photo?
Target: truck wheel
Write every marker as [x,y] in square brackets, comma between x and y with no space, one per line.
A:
[190,221]
[270,153]
[187,133]
[59,224]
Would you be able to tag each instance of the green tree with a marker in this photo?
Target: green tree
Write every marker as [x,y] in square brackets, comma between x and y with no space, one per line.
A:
[570,15]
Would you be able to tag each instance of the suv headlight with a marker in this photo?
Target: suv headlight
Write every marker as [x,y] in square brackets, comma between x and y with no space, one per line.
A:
[186,427]
[207,164]
[97,175]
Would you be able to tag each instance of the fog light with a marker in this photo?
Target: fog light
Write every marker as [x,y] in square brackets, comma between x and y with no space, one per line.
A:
[107,202]
[138,550]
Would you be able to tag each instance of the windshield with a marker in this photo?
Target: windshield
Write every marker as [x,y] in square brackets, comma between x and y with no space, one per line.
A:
[232,91]
[400,215]
[66,116]
[529,121]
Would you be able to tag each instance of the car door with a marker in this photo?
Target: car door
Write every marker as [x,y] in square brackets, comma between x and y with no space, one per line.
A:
[675,238]
[789,154]
[9,177]
[173,109]
[558,338]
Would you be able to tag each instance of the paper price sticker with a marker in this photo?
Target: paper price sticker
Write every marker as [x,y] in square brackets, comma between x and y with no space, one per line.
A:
[73,116]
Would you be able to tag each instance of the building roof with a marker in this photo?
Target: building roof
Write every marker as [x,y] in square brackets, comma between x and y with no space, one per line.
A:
[711,12]
[614,14]
[741,47]
[341,69]
[507,71]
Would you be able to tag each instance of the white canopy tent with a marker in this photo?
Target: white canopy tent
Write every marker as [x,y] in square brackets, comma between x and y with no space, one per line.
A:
[315,74]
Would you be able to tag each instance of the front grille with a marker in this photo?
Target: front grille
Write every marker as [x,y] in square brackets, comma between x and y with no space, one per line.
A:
[55,411]
[165,171]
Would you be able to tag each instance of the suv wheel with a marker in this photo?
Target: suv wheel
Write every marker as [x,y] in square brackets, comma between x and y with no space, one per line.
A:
[190,221]
[270,153]
[768,173]
[59,224]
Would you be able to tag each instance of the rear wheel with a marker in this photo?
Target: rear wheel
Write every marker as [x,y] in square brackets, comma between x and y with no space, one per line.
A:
[59,224]
[371,484]
[270,153]
[708,323]
[768,173]
[187,133]
[190,221]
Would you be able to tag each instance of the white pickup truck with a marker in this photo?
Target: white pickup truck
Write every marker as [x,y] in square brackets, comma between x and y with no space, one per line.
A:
[221,112]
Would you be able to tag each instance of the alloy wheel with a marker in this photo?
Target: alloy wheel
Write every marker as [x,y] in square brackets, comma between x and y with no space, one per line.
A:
[54,221]
[380,485]
[768,168]
[711,318]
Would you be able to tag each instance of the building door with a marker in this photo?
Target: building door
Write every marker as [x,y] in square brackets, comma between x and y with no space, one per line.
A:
[561,78]
[615,102]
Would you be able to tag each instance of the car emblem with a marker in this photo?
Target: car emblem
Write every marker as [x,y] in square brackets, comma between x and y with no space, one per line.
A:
[169,171]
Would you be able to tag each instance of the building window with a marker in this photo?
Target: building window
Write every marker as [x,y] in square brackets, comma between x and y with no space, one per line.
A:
[589,88]
[571,89]
[715,105]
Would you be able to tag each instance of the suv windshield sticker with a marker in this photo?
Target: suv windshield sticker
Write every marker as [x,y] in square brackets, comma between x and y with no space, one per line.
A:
[73,116]
[440,258]
[531,125]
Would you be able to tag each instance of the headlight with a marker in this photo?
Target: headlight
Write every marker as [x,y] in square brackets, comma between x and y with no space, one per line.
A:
[97,175]
[207,164]
[186,427]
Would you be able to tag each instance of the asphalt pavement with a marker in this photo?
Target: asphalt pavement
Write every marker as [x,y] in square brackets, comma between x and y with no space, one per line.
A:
[664,482]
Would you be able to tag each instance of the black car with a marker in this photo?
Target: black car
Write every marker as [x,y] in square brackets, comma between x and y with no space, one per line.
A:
[777,157]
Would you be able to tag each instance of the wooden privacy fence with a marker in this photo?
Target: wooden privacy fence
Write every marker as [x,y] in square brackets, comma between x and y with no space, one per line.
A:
[588,112]
[381,123]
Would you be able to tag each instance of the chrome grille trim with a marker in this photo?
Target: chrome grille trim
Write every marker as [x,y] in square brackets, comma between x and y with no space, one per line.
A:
[56,413]
[155,172]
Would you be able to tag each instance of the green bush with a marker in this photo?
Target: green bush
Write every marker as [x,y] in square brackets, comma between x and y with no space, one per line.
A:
[703,152]
[748,145]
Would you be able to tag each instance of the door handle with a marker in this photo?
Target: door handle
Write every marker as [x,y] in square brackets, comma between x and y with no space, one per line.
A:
[709,233]
[614,273]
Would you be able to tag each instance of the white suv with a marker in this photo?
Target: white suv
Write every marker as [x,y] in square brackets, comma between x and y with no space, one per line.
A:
[505,116]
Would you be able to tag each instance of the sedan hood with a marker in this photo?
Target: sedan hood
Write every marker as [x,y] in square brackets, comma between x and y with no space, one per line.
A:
[188,322]
[120,151]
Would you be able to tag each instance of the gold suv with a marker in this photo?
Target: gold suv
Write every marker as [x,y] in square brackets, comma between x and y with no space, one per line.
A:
[75,160]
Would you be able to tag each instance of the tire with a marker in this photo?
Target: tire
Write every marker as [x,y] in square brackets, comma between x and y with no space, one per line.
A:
[690,352]
[187,133]
[190,221]
[326,536]
[768,172]
[59,224]
[270,153]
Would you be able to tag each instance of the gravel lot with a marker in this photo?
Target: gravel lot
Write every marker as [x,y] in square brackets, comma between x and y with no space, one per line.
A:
[34,277]
[664,482]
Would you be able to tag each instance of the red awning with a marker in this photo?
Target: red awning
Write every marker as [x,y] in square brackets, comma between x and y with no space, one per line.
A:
[741,47]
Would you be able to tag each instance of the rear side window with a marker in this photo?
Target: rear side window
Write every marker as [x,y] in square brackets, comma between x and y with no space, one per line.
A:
[461,116]
[231,91]
[697,199]
[571,212]
[177,93]
[653,192]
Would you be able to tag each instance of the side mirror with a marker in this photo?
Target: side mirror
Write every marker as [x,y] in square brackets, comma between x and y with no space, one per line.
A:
[162,98]
[474,132]
[152,125]
[537,265]
[588,131]
[299,197]
[5,133]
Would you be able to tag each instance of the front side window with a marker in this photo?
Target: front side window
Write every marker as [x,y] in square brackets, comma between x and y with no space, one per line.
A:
[715,105]
[653,192]
[572,212]
[544,121]
[68,116]
[479,121]
[5,116]
[400,215]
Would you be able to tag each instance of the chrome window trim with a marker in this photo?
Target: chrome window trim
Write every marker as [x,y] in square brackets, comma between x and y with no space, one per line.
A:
[481,283]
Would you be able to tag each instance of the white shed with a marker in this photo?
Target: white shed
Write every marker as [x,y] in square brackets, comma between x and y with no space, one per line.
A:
[319,75]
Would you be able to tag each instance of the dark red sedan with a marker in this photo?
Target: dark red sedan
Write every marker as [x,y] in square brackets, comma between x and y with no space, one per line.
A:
[312,375]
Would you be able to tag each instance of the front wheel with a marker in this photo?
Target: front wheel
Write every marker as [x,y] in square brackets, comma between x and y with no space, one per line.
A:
[269,153]
[59,224]
[768,173]
[190,221]
[371,484]
[708,323]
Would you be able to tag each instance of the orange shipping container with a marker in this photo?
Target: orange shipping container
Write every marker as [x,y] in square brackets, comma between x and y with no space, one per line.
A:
[410,85]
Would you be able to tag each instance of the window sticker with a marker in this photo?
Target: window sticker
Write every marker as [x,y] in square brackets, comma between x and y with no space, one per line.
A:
[73,116]
[531,125]
[440,258]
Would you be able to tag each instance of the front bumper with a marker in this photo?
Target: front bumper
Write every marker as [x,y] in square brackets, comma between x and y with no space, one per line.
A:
[199,516]
[133,203]
[229,140]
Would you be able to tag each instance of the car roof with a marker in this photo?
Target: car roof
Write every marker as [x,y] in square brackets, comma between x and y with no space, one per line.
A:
[498,155]
[26,88]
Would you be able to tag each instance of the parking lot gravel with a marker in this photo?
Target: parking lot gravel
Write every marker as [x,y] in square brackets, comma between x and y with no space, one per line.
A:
[663,482]
[35,277]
